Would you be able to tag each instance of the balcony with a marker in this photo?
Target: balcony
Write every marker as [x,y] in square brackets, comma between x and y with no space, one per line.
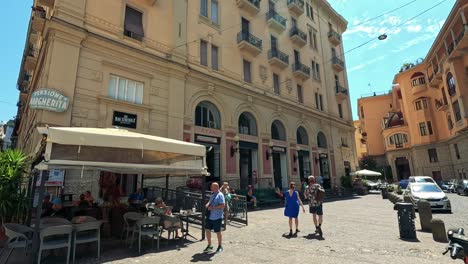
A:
[26,79]
[275,21]
[460,46]
[341,93]
[38,20]
[301,71]
[298,37]
[249,43]
[441,105]
[31,59]
[296,7]
[436,78]
[334,37]
[47,3]
[34,37]
[420,87]
[251,6]
[337,64]
[278,58]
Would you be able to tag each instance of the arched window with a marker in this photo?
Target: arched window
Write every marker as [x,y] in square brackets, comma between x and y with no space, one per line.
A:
[302,137]
[398,140]
[207,115]
[247,124]
[321,140]
[277,131]
[451,84]
[418,78]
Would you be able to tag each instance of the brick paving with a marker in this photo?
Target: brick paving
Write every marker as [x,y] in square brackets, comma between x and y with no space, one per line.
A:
[359,230]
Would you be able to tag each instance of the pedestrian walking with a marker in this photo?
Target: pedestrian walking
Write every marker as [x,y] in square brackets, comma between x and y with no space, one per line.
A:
[215,211]
[315,193]
[293,201]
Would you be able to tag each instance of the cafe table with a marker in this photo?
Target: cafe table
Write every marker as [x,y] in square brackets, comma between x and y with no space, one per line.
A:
[184,216]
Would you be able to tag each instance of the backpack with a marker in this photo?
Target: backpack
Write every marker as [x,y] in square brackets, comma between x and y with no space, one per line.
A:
[319,195]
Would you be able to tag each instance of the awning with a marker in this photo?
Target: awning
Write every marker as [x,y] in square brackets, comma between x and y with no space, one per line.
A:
[121,151]
[365,173]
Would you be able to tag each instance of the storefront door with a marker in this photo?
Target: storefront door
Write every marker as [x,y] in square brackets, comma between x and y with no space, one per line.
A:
[325,171]
[304,164]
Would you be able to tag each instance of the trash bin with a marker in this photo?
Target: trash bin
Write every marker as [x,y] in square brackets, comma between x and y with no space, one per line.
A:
[406,220]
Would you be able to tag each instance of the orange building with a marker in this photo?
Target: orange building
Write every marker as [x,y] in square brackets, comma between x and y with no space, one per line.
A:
[421,126]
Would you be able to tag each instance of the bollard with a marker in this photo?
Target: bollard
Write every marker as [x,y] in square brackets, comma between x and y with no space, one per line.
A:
[384,193]
[406,221]
[425,215]
[438,231]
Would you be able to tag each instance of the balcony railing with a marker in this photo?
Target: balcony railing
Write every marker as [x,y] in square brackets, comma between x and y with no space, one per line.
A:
[297,32]
[300,70]
[460,36]
[334,37]
[275,53]
[40,13]
[33,52]
[341,89]
[337,63]
[298,3]
[133,35]
[441,105]
[251,6]
[276,17]
[450,48]
[249,38]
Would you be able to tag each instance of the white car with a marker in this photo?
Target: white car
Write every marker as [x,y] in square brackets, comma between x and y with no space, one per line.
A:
[430,192]
[413,179]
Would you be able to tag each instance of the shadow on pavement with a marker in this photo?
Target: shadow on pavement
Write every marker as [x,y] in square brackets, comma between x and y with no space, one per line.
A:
[410,240]
[331,200]
[314,236]
[202,257]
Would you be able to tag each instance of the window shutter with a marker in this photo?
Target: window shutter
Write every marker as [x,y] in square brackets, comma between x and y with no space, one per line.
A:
[214,57]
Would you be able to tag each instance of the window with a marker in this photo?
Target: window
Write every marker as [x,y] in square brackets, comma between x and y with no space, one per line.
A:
[451,84]
[317,71]
[449,122]
[276,84]
[398,140]
[247,124]
[247,72]
[321,102]
[422,80]
[203,53]
[321,140]
[314,36]
[457,152]
[425,104]
[362,112]
[307,9]
[207,115]
[456,111]
[340,110]
[125,90]
[310,39]
[301,136]
[214,58]
[418,105]
[317,104]
[204,8]
[429,127]
[311,11]
[214,11]
[300,96]
[422,129]
[433,155]
[133,24]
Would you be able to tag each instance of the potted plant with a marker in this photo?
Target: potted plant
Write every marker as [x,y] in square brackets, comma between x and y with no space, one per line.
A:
[13,195]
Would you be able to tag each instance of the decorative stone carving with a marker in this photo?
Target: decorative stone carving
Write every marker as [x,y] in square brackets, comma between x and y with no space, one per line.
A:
[211,88]
[263,73]
[249,99]
[279,109]
[289,85]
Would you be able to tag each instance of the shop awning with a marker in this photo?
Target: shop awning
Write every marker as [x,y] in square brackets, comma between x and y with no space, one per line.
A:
[118,150]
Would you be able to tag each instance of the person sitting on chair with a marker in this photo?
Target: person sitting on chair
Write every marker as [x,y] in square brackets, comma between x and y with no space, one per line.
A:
[169,221]
[251,197]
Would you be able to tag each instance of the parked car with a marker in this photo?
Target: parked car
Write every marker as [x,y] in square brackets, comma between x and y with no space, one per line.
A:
[403,183]
[444,185]
[429,192]
[462,187]
[421,179]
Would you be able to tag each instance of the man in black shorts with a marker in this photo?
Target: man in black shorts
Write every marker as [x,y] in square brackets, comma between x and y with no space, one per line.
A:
[315,193]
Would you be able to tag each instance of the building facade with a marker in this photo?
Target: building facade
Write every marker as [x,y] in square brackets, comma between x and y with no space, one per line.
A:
[262,84]
[422,130]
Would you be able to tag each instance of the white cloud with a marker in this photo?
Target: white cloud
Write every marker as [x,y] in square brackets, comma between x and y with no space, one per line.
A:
[357,67]
[413,42]
[374,45]
[363,65]
[414,28]
[375,28]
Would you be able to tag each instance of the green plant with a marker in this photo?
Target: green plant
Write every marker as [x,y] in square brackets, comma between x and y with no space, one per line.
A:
[346,181]
[13,198]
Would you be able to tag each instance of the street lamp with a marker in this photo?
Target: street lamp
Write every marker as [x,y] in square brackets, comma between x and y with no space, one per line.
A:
[269,151]
[235,147]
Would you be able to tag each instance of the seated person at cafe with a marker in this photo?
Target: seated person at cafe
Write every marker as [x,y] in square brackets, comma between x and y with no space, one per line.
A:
[57,209]
[46,206]
[251,197]
[136,199]
[168,219]
[89,198]
[82,203]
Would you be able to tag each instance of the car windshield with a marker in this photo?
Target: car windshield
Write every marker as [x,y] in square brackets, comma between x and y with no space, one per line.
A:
[424,180]
[425,188]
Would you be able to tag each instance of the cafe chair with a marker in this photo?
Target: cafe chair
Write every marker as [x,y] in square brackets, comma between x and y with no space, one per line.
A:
[17,237]
[148,226]
[87,232]
[55,237]
[130,219]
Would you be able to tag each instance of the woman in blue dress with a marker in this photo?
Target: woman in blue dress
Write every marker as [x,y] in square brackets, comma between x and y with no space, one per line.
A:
[292,206]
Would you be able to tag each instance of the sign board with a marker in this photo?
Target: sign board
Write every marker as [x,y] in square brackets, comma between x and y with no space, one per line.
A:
[50,100]
[122,119]
[52,178]
[206,139]
[279,149]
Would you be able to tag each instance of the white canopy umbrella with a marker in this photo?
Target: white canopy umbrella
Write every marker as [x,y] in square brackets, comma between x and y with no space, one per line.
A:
[365,173]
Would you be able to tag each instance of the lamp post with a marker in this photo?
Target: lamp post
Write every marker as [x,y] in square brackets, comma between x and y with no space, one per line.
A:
[235,147]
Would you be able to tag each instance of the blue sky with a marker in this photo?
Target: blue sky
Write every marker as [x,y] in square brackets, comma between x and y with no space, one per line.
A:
[375,63]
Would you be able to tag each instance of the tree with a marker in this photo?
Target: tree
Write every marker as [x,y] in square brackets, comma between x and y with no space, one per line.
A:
[368,163]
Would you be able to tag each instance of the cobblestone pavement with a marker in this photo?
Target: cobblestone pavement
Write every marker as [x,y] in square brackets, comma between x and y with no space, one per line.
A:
[359,230]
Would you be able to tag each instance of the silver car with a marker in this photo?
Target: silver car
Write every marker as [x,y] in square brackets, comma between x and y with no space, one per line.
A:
[430,192]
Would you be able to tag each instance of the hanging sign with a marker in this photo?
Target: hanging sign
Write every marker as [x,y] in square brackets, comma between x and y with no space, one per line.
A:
[121,119]
[50,100]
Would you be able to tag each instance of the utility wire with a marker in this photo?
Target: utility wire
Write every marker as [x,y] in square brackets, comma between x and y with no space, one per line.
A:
[386,13]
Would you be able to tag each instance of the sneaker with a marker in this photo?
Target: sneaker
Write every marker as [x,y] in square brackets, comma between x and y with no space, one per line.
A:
[290,233]
[208,248]
[297,230]
[320,231]
[219,250]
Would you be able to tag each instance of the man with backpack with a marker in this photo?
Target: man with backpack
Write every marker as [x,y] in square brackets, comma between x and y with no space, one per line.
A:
[315,193]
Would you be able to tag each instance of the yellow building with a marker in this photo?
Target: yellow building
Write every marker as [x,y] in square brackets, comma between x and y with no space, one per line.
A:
[361,148]
[420,127]
[261,83]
